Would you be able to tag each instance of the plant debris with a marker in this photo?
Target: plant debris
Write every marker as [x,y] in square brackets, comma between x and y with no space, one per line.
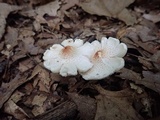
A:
[29,91]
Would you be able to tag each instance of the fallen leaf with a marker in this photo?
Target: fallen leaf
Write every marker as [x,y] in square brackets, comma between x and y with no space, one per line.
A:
[39,100]
[87,32]
[11,37]
[25,32]
[145,33]
[86,105]
[50,9]
[7,53]
[26,65]
[129,74]
[29,46]
[35,71]
[51,21]
[18,55]
[1,45]
[150,79]
[138,89]
[69,4]
[38,2]
[43,80]
[7,89]
[146,63]
[28,88]
[105,8]
[115,105]
[11,108]
[17,95]
[134,33]
[152,17]
[5,9]
[155,58]
[127,17]
[37,110]
[46,42]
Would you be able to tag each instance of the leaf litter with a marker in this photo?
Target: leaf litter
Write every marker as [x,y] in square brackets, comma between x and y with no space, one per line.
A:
[29,91]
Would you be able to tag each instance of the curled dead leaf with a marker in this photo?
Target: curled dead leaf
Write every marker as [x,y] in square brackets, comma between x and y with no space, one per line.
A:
[11,108]
[150,80]
[105,8]
[5,9]
[115,105]
[86,105]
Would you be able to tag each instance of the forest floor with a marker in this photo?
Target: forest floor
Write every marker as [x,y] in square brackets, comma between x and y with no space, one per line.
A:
[29,91]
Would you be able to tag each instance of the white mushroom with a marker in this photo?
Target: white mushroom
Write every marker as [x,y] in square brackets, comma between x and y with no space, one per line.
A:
[106,58]
[69,58]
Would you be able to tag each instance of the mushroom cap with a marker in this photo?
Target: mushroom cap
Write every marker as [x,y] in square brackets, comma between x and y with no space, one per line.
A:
[69,58]
[106,58]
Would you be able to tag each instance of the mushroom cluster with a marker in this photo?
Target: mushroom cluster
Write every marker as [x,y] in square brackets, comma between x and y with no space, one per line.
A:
[93,61]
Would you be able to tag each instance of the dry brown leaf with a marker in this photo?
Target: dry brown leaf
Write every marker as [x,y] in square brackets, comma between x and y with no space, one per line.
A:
[25,32]
[134,33]
[86,105]
[28,88]
[37,110]
[35,71]
[17,95]
[50,9]
[11,37]
[129,74]
[7,89]
[2,45]
[11,108]
[145,33]
[150,79]
[127,17]
[138,89]
[5,9]
[39,99]
[115,105]
[46,42]
[7,52]
[87,32]
[37,2]
[152,17]
[29,46]
[69,4]
[155,58]
[146,63]
[43,80]
[25,65]
[105,8]
[39,104]
[18,55]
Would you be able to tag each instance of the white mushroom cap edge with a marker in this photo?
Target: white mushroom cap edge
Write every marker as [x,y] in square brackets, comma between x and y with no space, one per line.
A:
[106,58]
[69,58]
[94,61]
